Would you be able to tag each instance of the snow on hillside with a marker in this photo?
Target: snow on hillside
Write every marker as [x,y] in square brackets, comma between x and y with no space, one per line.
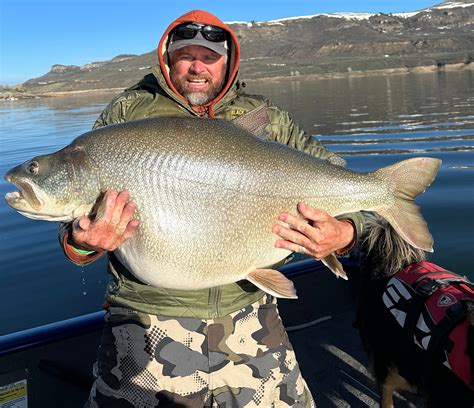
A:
[354,16]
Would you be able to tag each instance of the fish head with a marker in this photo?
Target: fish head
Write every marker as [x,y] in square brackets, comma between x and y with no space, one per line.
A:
[54,187]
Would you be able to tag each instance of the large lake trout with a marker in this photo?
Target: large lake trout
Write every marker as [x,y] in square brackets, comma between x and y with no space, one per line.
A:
[208,192]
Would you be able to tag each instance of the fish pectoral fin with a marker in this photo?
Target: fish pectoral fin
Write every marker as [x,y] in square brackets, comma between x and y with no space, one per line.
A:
[334,265]
[273,282]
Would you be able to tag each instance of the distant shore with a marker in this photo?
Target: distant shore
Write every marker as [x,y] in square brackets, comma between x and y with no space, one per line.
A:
[13,93]
[376,72]
[16,93]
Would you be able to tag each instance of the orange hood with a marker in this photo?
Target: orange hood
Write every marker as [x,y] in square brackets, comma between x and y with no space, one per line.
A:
[203,17]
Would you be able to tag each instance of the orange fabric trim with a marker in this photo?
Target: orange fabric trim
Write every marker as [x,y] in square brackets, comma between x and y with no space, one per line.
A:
[79,259]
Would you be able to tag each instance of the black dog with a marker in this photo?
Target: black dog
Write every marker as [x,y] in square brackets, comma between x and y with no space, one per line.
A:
[408,348]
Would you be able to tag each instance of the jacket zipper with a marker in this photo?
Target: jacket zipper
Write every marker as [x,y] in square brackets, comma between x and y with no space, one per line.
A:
[214,300]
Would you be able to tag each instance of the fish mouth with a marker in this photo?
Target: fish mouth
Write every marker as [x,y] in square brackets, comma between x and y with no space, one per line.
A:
[26,199]
[33,202]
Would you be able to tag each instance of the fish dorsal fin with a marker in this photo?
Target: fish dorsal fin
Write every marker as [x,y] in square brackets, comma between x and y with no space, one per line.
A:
[334,265]
[255,121]
[273,282]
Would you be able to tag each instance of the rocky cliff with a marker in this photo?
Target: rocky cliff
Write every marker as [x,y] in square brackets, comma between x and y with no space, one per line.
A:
[322,44]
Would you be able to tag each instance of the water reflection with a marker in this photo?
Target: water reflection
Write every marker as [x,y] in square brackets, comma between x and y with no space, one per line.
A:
[430,112]
[371,121]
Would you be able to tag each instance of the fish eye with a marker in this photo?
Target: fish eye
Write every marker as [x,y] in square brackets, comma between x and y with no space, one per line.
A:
[33,167]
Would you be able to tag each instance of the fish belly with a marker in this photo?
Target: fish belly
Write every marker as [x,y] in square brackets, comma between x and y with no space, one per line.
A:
[207,204]
[204,236]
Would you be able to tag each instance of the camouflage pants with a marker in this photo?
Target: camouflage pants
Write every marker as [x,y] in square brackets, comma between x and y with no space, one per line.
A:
[240,360]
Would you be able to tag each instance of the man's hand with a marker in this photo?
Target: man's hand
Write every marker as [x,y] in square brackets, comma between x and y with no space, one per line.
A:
[111,226]
[318,234]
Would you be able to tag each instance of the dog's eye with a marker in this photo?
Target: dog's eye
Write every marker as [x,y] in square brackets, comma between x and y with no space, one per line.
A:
[33,167]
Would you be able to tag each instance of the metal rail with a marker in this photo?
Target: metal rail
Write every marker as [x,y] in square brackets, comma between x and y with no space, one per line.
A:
[49,333]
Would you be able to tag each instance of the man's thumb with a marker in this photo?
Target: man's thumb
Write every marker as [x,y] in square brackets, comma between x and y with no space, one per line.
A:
[81,224]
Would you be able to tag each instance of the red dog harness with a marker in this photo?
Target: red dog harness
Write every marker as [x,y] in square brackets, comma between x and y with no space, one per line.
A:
[427,302]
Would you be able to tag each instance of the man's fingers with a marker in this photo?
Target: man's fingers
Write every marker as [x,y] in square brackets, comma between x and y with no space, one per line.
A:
[288,218]
[113,223]
[318,233]
[312,213]
[126,216]
[292,236]
[106,206]
[111,207]
[118,207]
[130,229]
[291,246]
[80,231]
[301,225]
[81,224]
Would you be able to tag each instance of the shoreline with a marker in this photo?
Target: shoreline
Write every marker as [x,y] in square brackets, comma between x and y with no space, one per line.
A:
[14,94]
[424,69]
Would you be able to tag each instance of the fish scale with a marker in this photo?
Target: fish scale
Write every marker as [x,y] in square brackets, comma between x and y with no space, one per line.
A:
[208,192]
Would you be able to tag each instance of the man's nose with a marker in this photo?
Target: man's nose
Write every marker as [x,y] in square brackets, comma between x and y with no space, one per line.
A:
[197,67]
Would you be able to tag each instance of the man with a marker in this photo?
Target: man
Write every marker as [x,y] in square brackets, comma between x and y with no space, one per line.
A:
[223,346]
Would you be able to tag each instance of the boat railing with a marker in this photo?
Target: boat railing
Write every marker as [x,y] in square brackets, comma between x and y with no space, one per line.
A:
[52,332]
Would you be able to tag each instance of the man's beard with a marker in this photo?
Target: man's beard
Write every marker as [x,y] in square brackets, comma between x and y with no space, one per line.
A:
[198,98]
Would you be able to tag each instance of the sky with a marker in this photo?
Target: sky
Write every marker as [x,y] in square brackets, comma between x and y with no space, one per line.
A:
[36,34]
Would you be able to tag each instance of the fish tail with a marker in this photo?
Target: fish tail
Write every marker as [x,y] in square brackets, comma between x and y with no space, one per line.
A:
[408,179]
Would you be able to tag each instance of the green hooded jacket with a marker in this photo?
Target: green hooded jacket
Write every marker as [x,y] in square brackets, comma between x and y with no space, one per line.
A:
[153,96]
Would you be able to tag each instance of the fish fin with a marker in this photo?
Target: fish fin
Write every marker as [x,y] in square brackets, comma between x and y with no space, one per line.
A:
[334,265]
[273,282]
[408,179]
[255,121]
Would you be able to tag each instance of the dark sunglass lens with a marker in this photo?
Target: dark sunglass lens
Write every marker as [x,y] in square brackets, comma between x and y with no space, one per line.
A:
[214,34]
[210,33]
[186,32]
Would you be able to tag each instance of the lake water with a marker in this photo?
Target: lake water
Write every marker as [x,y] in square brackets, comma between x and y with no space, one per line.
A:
[372,122]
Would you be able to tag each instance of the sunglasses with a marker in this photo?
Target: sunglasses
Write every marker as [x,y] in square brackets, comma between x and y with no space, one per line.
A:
[189,31]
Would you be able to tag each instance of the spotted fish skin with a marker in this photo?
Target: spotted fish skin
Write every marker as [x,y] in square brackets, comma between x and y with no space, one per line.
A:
[208,193]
